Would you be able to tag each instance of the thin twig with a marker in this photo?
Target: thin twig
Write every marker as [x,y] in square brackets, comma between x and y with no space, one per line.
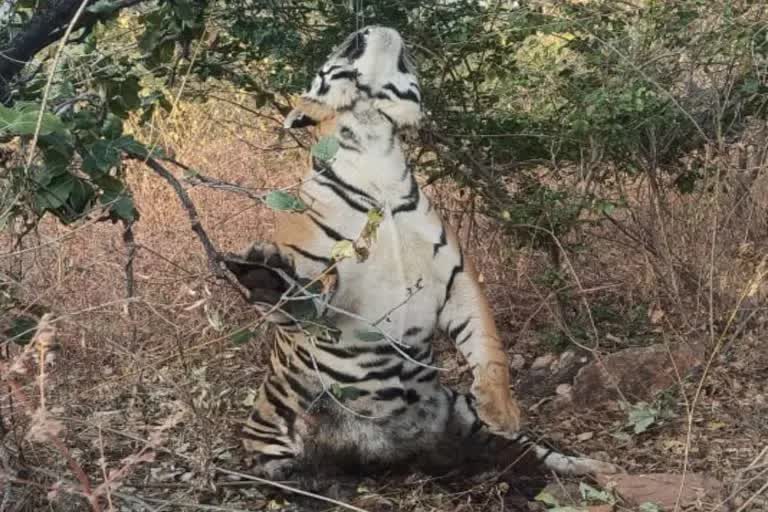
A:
[213,256]
[48,84]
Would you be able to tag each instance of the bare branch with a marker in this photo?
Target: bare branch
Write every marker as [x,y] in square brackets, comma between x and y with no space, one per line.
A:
[215,260]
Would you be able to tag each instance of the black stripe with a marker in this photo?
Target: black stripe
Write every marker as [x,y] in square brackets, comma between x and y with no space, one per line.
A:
[407,95]
[298,388]
[411,331]
[324,72]
[376,363]
[324,87]
[338,376]
[327,171]
[329,231]
[348,147]
[387,116]
[365,89]
[341,353]
[429,377]
[412,396]
[411,200]
[387,394]
[281,357]
[277,386]
[384,374]
[288,415]
[477,425]
[266,457]
[453,333]
[265,432]
[401,67]
[454,272]
[309,255]
[355,48]
[443,241]
[421,354]
[465,338]
[346,133]
[343,196]
[379,350]
[257,418]
[262,439]
[348,75]
[544,457]
[409,374]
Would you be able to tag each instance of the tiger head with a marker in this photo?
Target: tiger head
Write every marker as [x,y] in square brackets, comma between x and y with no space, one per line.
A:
[371,64]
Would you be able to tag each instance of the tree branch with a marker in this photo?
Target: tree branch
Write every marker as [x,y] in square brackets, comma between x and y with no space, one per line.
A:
[45,28]
[214,257]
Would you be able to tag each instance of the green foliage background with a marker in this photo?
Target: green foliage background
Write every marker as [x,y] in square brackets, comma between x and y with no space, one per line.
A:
[608,89]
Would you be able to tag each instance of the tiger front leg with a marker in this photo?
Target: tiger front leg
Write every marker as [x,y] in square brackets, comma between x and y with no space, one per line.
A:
[467,319]
[265,271]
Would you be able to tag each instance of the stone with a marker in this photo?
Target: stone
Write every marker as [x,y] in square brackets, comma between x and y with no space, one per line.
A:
[549,371]
[564,390]
[517,363]
[543,362]
[640,373]
[663,488]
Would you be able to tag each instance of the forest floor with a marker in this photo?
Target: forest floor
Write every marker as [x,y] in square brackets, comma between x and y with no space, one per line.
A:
[153,387]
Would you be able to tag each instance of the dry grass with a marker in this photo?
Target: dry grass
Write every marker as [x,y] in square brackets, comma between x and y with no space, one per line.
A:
[165,359]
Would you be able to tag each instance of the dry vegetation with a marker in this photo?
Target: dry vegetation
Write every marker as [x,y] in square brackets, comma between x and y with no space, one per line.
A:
[148,389]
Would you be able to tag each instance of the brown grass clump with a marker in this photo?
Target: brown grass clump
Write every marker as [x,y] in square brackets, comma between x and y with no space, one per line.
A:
[148,387]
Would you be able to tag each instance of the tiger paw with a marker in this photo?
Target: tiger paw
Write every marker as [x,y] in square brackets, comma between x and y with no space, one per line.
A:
[265,271]
[497,408]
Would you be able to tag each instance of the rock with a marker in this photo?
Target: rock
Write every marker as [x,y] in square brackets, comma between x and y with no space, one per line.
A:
[549,371]
[543,362]
[564,390]
[517,363]
[662,489]
[640,373]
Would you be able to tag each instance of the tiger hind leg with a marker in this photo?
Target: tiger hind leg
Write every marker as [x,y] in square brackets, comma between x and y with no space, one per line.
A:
[478,442]
[273,432]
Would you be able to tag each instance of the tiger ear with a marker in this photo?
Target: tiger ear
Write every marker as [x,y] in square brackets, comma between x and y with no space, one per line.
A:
[308,112]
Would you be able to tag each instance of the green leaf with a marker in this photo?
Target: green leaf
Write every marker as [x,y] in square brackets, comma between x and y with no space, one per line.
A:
[642,416]
[590,494]
[241,336]
[369,335]
[22,329]
[55,192]
[100,157]
[79,201]
[326,148]
[125,208]
[283,201]
[344,393]
[547,499]
[649,506]
[102,7]
[120,201]
[22,120]
[112,127]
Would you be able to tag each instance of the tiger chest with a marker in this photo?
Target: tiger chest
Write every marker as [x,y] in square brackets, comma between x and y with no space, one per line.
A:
[397,287]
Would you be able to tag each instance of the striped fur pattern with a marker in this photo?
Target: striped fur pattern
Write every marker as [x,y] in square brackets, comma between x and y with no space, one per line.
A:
[367,389]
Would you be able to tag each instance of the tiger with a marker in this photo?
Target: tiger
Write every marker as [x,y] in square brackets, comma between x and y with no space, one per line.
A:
[358,382]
